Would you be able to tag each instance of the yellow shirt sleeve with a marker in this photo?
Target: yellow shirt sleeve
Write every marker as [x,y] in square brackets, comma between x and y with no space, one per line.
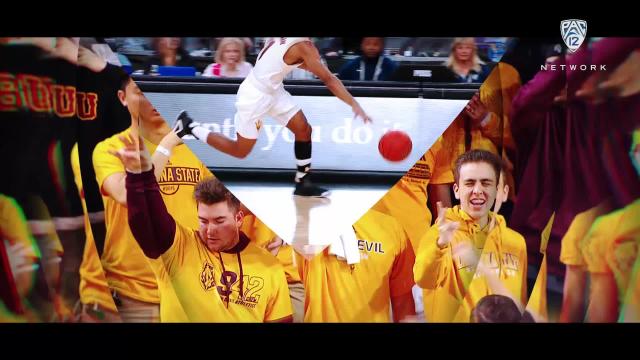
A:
[491,128]
[570,253]
[279,305]
[595,243]
[300,265]
[453,140]
[257,231]
[432,263]
[105,164]
[523,272]
[14,228]
[174,257]
[286,257]
[442,172]
[497,93]
[401,279]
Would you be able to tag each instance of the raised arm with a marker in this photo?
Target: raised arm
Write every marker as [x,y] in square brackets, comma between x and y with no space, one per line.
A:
[150,222]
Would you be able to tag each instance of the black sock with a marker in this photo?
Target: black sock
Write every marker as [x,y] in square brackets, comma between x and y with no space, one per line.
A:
[302,150]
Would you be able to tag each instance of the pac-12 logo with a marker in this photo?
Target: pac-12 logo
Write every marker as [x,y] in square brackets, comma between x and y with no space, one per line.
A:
[573,33]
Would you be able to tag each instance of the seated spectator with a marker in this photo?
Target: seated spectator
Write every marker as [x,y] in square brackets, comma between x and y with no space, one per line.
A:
[465,63]
[230,60]
[169,52]
[371,65]
[248,43]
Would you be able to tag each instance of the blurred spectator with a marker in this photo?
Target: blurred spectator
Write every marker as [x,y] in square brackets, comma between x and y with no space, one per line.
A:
[230,60]
[336,46]
[426,46]
[329,46]
[169,52]
[492,49]
[133,44]
[247,41]
[193,44]
[465,63]
[371,65]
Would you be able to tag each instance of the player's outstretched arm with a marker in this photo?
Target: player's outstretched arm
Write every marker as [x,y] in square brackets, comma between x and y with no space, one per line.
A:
[313,63]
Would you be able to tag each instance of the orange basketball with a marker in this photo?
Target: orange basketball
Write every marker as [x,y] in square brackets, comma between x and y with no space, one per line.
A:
[395,145]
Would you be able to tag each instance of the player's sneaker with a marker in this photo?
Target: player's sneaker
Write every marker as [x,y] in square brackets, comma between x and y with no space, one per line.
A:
[305,188]
[183,125]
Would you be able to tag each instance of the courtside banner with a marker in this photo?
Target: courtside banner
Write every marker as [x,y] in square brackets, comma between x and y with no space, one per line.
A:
[338,139]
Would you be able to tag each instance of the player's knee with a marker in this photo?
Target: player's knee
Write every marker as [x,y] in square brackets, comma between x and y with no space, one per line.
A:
[303,132]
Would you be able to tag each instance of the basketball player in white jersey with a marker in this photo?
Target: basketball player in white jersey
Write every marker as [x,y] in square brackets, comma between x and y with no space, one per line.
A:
[262,93]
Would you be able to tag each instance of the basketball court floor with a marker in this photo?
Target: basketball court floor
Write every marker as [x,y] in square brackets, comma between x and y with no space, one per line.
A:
[309,224]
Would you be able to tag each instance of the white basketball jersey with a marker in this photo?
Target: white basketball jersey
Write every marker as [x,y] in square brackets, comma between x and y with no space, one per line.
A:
[270,68]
